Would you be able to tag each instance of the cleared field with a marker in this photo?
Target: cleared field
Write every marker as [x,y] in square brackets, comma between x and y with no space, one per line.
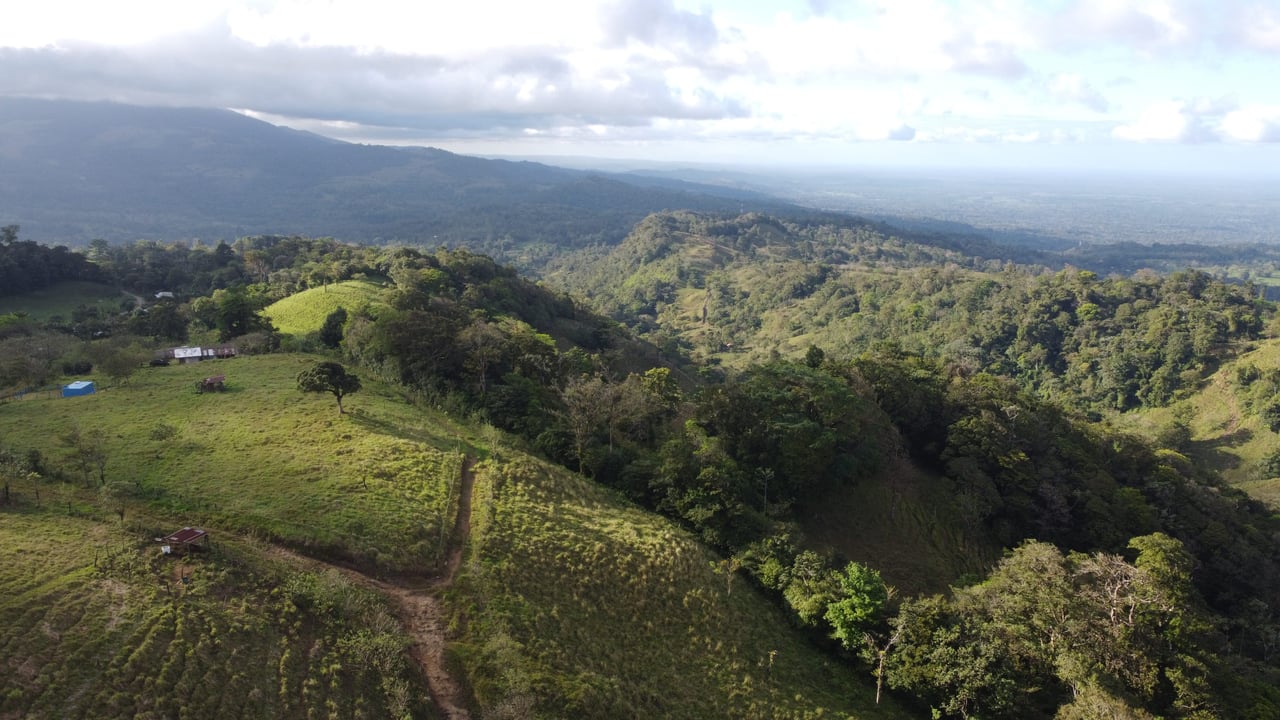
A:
[375,487]
[571,602]
[1227,434]
[304,312]
[95,623]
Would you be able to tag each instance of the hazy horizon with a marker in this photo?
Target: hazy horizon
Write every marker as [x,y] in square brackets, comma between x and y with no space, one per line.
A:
[1148,86]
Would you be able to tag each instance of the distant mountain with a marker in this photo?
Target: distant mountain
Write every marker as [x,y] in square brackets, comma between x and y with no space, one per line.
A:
[77,171]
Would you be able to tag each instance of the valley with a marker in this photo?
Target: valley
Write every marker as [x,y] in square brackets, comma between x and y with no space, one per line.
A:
[549,444]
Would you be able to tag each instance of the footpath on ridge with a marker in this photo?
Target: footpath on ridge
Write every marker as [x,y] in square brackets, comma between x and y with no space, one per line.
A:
[419,609]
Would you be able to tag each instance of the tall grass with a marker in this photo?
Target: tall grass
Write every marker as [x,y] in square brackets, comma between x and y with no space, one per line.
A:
[579,604]
[95,623]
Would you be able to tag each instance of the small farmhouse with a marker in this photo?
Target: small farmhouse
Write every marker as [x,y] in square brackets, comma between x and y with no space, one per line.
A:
[196,354]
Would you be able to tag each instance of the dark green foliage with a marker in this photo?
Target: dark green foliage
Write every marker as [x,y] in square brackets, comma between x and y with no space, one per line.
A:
[236,314]
[329,377]
[983,377]
[331,331]
[1045,627]
[26,265]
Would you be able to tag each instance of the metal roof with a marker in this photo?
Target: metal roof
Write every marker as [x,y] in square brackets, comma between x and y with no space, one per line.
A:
[186,535]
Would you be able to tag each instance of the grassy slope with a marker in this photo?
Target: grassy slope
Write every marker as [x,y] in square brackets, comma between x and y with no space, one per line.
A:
[1225,435]
[95,624]
[305,312]
[572,597]
[593,608]
[62,298]
[374,487]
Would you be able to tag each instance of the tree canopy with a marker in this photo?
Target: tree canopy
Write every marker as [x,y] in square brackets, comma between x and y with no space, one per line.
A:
[330,377]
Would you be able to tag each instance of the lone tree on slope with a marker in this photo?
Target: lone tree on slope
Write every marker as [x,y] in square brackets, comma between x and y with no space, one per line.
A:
[329,377]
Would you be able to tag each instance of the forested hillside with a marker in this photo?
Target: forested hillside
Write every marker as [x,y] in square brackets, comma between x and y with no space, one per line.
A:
[884,456]
[742,289]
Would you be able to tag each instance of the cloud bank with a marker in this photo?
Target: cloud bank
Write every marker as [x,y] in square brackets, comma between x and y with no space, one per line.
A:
[637,71]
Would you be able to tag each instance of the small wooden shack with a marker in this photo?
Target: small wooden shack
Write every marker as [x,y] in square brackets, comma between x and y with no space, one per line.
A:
[188,539]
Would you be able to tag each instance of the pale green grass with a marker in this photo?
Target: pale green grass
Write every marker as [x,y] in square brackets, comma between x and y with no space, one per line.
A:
[304,312]
[597,609]
[60,299]
[376,486]
[1225,435]
[95,623]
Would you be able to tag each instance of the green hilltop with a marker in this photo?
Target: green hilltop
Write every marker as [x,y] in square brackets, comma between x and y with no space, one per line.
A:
[304,312]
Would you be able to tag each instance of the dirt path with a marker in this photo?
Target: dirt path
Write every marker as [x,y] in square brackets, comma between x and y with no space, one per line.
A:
[419,609]
[423,617]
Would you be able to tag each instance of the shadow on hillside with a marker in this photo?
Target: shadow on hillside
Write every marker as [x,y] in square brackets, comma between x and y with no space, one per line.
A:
[383,426]
[1212,453]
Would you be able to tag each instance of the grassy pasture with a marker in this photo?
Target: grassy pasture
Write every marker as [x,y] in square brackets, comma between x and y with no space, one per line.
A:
[94,623]
[588,607]
[572,600]
[61,298]
[1225,434]
[304,312]
[376,487]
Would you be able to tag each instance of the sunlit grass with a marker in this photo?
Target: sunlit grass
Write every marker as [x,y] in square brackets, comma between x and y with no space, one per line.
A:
[599,609]
[305,312]
[372,486]
[1226,434]
[95,623]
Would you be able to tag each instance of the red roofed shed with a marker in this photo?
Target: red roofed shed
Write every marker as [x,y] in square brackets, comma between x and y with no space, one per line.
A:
[188,538]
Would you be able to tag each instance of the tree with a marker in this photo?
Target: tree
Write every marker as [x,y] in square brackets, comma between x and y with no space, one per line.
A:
[329,377]
[87,450]
[589,404]
[863,596]
[118,360]
[331,331]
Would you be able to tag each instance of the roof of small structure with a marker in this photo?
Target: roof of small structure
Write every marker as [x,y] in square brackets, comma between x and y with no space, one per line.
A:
[186,535]
[80,385]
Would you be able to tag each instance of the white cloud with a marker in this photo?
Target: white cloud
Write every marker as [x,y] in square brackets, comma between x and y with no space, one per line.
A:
[1008,71]
[1146,25]
[1172,121]
[1259,123]
[1256,25]
[1072,87]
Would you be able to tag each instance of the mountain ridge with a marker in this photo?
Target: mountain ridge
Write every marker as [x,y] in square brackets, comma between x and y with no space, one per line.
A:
[79,171]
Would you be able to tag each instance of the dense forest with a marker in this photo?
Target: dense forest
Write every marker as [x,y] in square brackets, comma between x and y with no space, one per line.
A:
[751,370]
[741,289]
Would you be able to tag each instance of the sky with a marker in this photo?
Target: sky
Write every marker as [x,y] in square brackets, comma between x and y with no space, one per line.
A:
[1157,85]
